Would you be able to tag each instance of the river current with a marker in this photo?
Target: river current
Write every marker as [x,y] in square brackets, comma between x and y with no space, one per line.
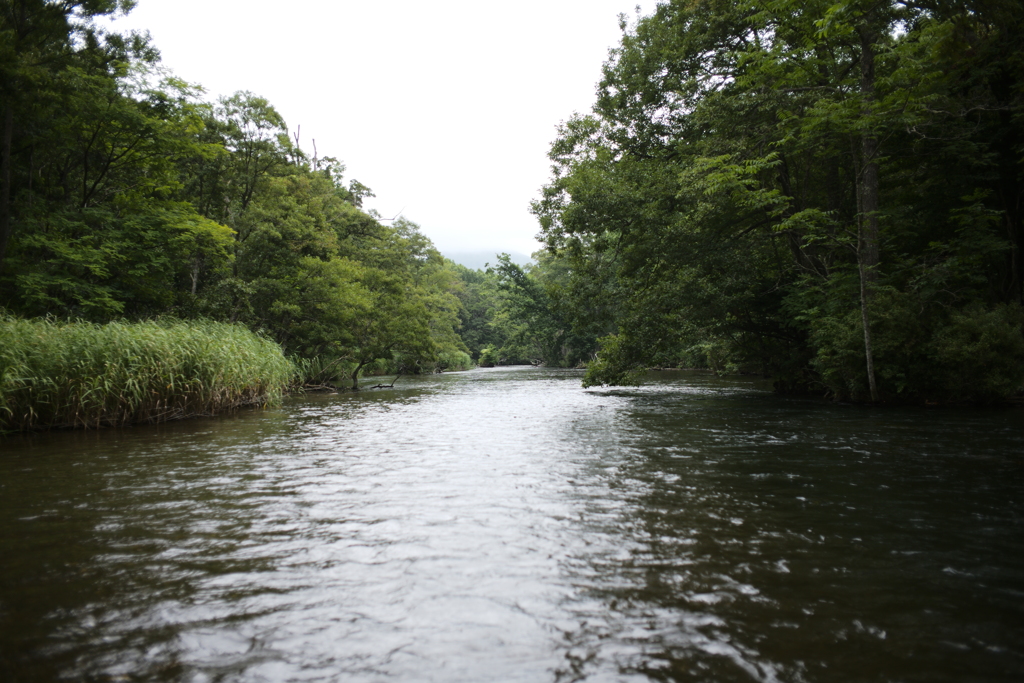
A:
[508,525]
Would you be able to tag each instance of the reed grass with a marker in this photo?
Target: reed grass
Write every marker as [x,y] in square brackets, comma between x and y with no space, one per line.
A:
[319,371]
[76,374]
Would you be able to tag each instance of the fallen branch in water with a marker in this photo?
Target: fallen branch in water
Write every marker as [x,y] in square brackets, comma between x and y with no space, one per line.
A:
[386,386]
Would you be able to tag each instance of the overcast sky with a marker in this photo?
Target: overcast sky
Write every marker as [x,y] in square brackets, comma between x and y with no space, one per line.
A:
[445,109]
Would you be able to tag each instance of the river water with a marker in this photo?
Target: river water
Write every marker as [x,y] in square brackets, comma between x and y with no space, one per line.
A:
[507,525]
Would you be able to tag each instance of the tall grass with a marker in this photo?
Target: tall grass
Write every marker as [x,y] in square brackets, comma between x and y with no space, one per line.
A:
[77,374]
[320,371]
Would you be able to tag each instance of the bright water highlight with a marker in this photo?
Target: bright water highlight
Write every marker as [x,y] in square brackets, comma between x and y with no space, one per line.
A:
[507,525]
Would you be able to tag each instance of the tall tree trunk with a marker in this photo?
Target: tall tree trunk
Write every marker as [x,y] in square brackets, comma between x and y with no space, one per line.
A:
[867,232]
[865,300]
[5,184]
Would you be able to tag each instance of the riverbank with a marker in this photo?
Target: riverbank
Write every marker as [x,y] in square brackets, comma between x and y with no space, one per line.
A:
[78,374]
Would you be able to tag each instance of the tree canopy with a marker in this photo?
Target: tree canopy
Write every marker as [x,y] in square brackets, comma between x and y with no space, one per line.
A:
[126,195]
[827,193]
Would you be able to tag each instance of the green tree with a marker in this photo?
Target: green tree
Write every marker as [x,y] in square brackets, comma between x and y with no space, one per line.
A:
[99,232]
[478,298]
[754,168]
[534,314]
[413,316]
[39,42]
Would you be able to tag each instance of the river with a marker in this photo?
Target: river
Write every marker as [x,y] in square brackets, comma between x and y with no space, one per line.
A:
[507,525]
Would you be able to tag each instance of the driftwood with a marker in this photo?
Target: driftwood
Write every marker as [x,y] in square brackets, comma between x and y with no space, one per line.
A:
[386,386]
[328,387]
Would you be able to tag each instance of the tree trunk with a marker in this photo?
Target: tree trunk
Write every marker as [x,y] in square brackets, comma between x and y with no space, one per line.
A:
[355,377]
[868,232]
[865,289]
[5,184]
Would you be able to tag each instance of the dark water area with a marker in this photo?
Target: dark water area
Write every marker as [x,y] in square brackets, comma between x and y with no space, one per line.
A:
[507,525]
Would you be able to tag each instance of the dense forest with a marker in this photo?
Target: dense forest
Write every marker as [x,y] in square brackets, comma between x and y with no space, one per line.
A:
[830,194]
[126,196]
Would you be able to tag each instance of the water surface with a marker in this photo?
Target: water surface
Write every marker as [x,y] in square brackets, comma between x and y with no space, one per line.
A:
[507,525]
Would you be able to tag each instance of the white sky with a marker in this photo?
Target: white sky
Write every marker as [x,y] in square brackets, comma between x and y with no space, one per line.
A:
[445,109]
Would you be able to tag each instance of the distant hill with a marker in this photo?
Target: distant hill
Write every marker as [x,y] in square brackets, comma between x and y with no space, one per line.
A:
[478,259]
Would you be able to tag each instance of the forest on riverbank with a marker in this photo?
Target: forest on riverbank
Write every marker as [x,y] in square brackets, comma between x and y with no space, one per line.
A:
[830,194]
[144,229]
[124,195]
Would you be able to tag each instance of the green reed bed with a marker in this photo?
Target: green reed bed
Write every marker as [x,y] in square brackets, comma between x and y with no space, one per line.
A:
[76,374]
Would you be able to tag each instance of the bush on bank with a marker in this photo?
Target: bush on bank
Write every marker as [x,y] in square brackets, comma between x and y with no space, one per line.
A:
[78,374]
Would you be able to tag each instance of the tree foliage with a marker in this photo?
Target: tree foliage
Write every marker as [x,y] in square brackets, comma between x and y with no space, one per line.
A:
[125,195]
[826,192]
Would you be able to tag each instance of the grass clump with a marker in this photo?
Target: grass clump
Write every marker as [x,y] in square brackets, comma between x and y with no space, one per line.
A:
[78,374]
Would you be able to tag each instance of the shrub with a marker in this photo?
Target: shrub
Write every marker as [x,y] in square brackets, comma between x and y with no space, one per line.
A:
[488,357]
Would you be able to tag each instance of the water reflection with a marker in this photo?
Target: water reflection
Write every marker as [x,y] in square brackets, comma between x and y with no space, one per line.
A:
[506,525]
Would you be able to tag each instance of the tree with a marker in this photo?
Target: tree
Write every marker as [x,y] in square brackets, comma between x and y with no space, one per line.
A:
[39,41]
[125,195]
[478,300]
[534,314]
[413,315]
[753,168]
[99,231]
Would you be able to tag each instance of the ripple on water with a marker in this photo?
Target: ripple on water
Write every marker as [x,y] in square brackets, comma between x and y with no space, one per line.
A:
[507,525]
